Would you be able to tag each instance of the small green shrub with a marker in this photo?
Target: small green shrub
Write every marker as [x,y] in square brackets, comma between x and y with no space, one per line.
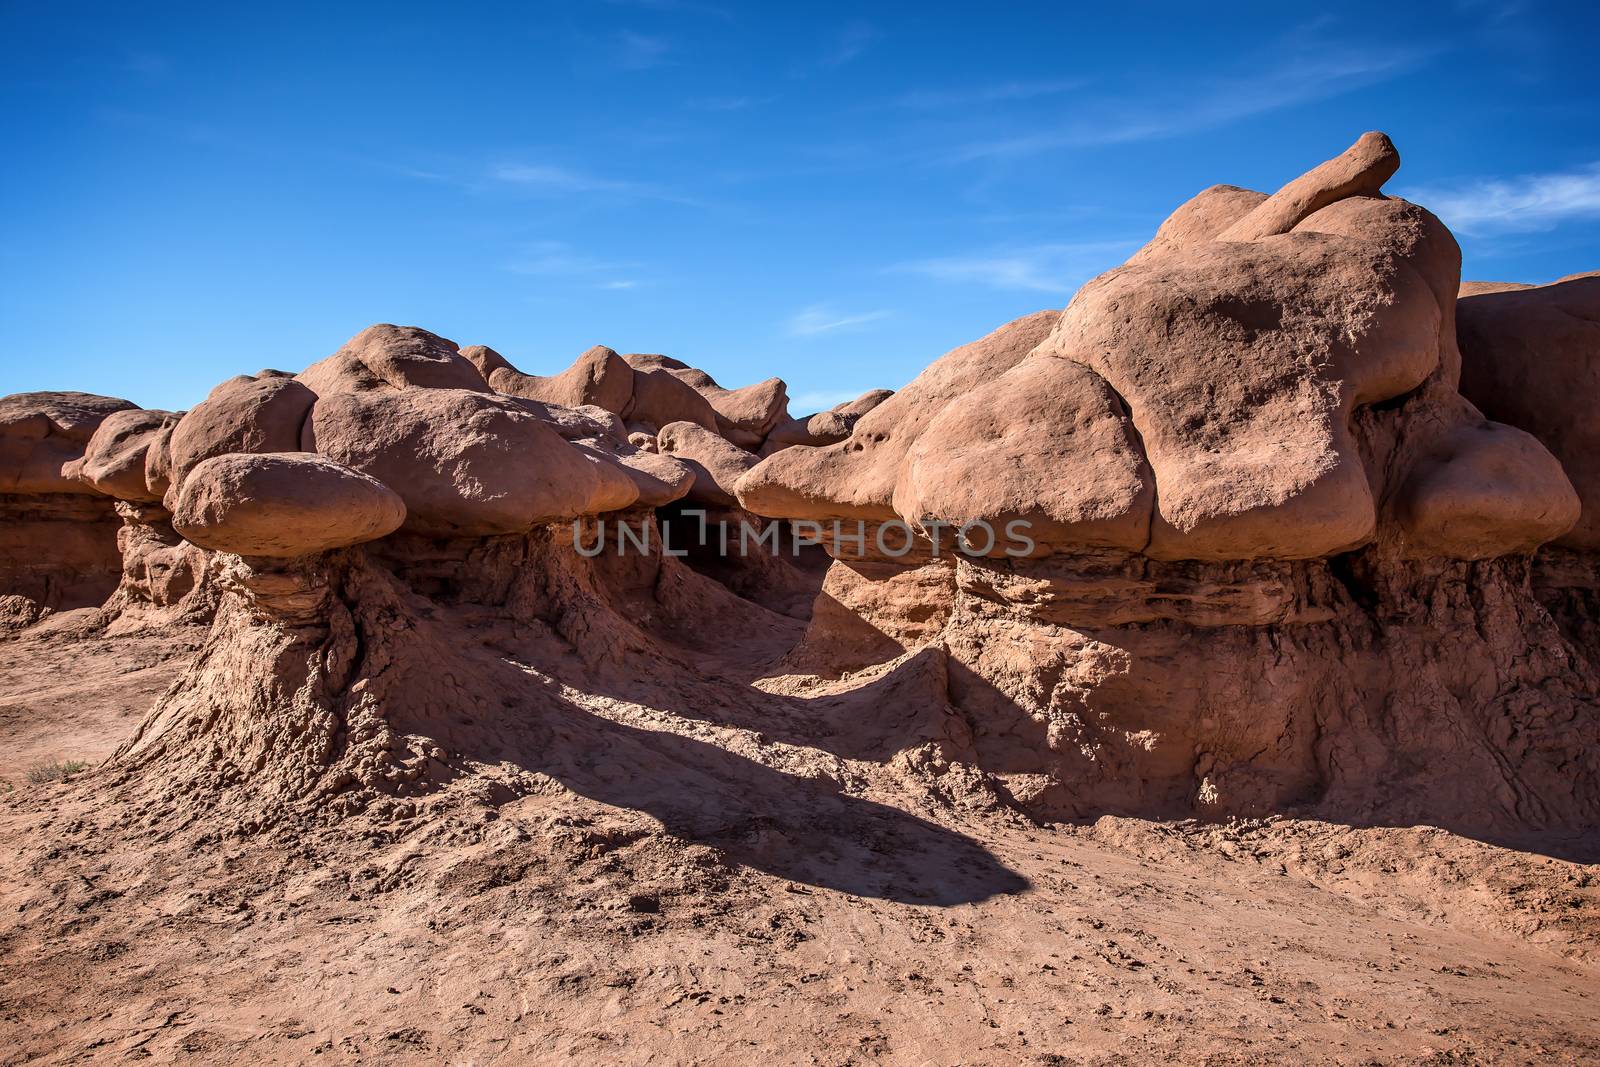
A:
[42,773]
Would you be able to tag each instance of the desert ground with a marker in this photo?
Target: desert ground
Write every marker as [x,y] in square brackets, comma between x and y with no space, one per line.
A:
[573,925]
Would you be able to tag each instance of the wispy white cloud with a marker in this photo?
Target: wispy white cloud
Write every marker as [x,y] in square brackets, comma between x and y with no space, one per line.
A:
[850,43]
[1304,77]
[1044,268]
[1523,203]
[685,7]
[820,319]
[555,179]
[638,51]
[723,103]
[550,180]
[556,259]
[931,99]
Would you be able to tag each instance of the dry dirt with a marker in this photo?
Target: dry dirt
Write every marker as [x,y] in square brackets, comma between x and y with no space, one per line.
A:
[570,925]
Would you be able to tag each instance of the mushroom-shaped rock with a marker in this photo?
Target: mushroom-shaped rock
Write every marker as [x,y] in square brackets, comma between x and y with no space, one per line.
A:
[283,505]
[1241,363]
[393,357]
[241,415]
[466,463]
[718,464]
[1485,490]
[1243,356]
[855,478]
[598,378]
[114,459]
[1044,455]
[40,433]
[1280,359]
[1531,357]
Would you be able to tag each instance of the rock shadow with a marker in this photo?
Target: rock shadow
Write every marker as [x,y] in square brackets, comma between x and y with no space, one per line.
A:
[803,829]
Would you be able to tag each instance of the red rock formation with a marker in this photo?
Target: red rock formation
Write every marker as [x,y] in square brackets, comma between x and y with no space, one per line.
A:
[1280,561]
[58,536]
[1275,559]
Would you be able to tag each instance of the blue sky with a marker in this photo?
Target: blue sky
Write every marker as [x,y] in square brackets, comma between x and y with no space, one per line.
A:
[835,194]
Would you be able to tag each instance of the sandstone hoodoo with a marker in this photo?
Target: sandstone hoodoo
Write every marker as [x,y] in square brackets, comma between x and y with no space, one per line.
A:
[1305,533]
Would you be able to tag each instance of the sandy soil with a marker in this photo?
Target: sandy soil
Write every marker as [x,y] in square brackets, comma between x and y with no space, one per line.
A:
[69,698]
[570,926]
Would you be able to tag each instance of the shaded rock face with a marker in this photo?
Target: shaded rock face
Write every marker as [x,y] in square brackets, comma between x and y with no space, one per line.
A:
[1366,689]
[165,578]
[1530,357]
[1288,550]
[58,535]
[57,551]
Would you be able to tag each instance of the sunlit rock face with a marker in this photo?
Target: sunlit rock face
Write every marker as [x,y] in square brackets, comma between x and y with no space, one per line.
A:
[1279,559]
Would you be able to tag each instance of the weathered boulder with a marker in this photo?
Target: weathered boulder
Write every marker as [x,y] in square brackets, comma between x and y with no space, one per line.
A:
[1359,171]
[659,479]
[1045,449]
[158,458]
[42,432]
[114,459]
[744,416]
[660,397]
[466,463]
[284,505]
[717,463]
[1247,361]
[393,357]
[855,478]
[824,427]
[1199,219]
[1240,363]
[598,378]
[241,415]
[1485,490]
